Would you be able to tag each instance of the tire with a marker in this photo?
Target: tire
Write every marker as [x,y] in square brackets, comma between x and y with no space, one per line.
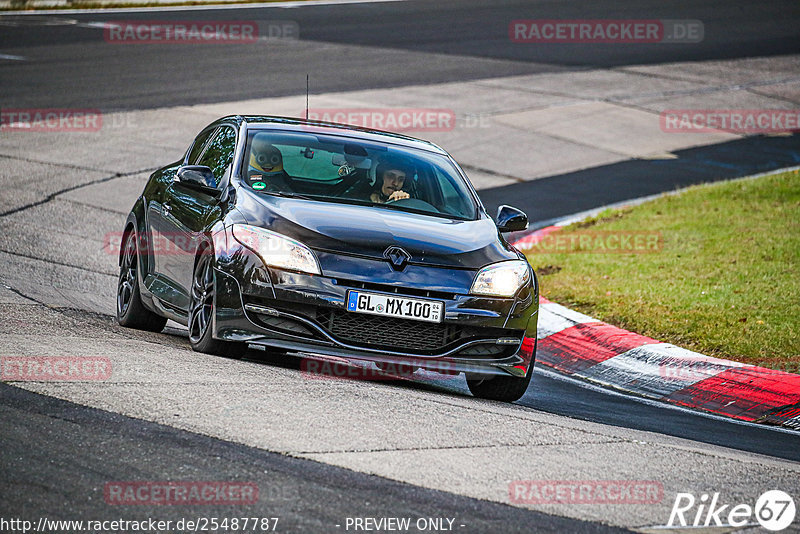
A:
[131,313]
[201,311]
[502,388]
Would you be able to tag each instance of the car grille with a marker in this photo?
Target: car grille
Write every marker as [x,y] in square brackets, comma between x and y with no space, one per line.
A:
[388,332]
[410,291]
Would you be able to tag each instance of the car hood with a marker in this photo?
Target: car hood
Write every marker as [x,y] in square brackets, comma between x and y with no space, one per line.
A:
[368,231]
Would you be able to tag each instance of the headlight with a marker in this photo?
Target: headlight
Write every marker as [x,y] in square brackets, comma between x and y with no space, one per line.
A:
[277,250]
[501,279]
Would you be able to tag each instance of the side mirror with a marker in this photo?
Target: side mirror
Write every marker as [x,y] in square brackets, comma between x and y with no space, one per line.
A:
[197,176]
[511,219]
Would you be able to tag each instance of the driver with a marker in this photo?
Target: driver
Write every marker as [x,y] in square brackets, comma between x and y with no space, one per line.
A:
[266,167]
[391,176]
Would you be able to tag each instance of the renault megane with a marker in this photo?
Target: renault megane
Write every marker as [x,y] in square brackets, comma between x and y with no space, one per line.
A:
[313,237]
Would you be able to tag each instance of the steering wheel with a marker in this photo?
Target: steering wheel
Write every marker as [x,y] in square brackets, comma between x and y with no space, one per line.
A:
[414,203]
[349,181]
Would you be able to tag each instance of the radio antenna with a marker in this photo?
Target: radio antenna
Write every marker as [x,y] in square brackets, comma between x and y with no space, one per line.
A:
[306,96]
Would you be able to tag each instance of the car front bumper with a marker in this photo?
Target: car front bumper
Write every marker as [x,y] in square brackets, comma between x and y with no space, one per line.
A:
[307,313]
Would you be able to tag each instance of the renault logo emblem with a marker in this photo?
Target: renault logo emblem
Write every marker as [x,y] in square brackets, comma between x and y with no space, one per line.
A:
[398,258]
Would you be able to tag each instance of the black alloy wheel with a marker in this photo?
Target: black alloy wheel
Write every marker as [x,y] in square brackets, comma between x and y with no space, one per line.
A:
[201,312]
[131,313]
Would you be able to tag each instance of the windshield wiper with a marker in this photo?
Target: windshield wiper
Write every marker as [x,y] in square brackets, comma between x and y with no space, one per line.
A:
[286,194]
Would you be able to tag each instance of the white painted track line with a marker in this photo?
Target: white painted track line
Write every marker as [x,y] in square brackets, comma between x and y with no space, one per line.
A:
[259,5]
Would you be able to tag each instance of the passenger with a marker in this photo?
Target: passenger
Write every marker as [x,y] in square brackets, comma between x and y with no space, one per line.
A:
[265,171]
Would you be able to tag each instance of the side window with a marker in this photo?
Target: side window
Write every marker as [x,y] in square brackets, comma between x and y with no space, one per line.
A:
[219,153]
[449,192]
[453,200]
[197,147]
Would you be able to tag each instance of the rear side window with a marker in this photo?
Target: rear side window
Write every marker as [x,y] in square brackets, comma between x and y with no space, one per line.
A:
[218,155]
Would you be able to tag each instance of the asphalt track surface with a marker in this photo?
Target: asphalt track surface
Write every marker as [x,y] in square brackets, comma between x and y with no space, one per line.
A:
[556,394]
[423,42]
[553,197]
[346,48]
[40,434]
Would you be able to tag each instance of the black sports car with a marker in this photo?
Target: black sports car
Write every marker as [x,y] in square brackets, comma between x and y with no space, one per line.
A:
[334,240]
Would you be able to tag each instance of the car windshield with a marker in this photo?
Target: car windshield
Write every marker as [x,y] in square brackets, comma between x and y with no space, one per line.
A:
[346,170]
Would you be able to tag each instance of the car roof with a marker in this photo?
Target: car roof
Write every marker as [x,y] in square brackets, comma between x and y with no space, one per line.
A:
[322,127]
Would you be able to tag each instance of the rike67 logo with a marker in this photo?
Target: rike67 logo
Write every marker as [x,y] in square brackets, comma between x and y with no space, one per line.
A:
[774,510]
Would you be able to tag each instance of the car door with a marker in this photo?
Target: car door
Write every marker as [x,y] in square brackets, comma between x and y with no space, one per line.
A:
[159,228]
[188,211]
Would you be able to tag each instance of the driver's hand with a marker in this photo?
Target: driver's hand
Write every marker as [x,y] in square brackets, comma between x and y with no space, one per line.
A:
[398,195]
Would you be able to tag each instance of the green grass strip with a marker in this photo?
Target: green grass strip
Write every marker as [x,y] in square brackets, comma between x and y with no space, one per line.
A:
[721,276]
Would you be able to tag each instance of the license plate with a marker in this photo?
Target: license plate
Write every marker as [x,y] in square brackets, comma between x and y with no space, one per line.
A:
[393,306]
